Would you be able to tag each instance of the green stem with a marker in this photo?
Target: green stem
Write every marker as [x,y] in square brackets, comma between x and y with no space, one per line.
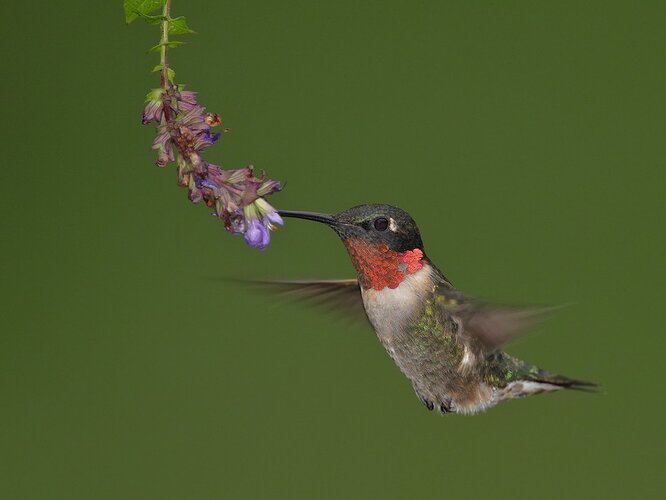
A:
[164,40]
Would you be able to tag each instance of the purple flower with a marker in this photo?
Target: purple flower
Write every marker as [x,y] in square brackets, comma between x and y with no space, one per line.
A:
[236,196]
[164,146]
[268,187]
[260,219]
[274,217]
[194,119]
[211,137]
[215,174]
[205,139]
[206,183]
[257,235]
[153,110]
[270,215]
[192,132]
[186,100]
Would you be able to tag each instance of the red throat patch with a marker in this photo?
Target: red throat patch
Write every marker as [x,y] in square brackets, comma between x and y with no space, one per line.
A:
[378,266]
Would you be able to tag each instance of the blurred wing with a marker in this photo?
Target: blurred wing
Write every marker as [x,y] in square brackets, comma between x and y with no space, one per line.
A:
[341,296]
[493,326]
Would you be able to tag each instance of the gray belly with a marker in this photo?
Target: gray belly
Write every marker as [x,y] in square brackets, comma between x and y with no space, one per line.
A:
[424,352]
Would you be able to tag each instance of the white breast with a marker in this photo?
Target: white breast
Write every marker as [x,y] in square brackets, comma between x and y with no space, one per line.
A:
[388,309]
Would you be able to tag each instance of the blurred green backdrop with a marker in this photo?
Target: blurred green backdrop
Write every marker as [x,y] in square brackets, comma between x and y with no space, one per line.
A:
[526,138]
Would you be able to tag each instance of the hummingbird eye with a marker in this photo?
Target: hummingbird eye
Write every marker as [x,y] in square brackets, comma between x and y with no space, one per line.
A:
[381,224]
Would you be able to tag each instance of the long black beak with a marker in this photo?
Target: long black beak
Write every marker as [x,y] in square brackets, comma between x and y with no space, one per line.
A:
[325,218]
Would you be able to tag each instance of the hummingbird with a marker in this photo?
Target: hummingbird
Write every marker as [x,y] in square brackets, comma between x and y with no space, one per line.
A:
[446,343]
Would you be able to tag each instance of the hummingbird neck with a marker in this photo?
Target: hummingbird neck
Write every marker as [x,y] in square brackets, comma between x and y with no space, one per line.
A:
[378,266]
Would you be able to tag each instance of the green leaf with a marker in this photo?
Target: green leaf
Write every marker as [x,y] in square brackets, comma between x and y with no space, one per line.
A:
[152,20]
[171,74]
[154,94]
[130,10]
[130,7]
[172,45]
[178,26]
[135,8]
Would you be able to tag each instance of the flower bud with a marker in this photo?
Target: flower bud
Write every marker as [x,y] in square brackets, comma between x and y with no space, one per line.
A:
[213,119]
[162,160]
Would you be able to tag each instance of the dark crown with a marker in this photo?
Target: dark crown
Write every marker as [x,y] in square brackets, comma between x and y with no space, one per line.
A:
[377,223]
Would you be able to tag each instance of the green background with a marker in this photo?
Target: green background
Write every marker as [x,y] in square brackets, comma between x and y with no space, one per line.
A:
[525,137]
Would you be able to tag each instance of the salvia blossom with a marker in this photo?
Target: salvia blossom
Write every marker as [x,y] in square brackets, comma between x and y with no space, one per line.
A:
[260,218]
[153,110]
[236,196]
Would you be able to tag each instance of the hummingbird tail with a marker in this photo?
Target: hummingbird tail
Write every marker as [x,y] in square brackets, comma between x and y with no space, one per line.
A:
[523,379]
[542,382]
[563,382]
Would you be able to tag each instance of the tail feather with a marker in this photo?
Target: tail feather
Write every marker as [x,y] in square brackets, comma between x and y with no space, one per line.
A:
[545,377]
[516,378]
[545,382]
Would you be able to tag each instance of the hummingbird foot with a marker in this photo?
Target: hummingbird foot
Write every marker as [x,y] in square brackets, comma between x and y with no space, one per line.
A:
[445,407]
[428,404]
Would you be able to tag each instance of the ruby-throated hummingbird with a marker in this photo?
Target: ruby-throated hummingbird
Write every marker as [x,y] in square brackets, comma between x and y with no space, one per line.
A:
[446,344]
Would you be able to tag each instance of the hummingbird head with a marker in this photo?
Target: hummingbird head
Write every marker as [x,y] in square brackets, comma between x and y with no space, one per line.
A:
[383,242]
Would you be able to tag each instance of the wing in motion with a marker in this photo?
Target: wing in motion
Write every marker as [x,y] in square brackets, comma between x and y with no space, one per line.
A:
[341,296]
[491,325]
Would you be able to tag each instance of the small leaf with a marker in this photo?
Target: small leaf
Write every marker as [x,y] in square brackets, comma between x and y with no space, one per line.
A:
[148,6]
[178,26]
[172,45]
[154,94]
[130,7]
[171,74]
[135,8]
[152,20]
